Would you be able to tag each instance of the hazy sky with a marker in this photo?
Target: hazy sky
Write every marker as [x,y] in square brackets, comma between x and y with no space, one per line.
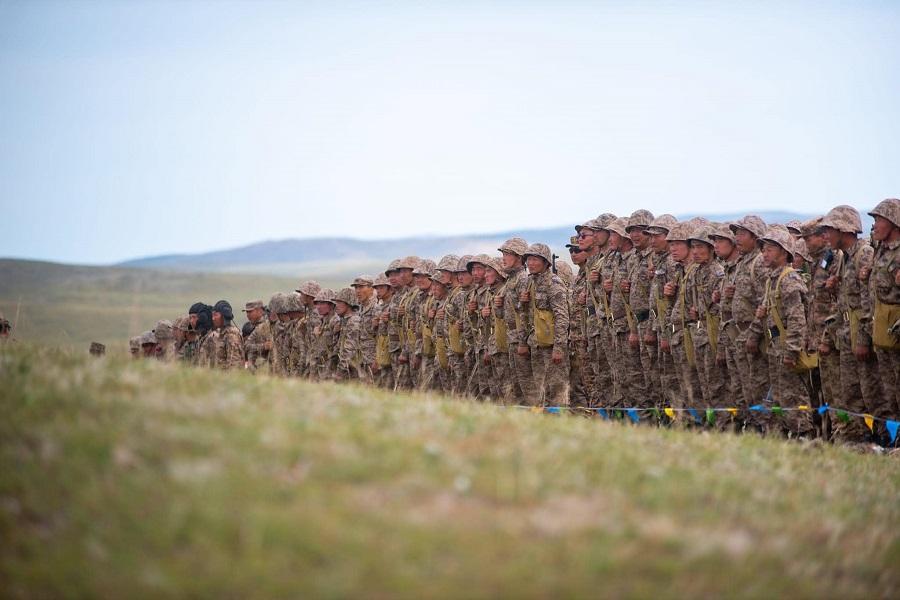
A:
[131,128]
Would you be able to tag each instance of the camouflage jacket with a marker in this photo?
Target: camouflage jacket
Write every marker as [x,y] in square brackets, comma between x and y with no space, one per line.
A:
[789,299]
[700,283]
[281,348]
[640,277]
[853,296]
[323,355]
[596,299]
[395,323]
[516,283]
[750,283]
[229,349]
[479,328]
[255,345]
[548,292]
[577,311]
[498,290]
[618,300]
[455,311]
[206,349]
[348,348]
[822,301]
[368,330]
[665,270]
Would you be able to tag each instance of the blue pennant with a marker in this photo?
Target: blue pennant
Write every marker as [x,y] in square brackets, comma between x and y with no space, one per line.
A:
[553,410]
[695,414]
[603,413]
[823,409]
[633,414]
[759,408]
[892,429]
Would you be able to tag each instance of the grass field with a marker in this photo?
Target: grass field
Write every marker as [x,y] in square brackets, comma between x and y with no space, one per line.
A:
[71,306]
[121,480]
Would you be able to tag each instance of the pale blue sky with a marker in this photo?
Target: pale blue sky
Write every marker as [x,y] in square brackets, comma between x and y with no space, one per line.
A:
[131,128]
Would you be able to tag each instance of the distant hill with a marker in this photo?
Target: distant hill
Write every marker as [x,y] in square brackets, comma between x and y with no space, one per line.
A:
[343,257]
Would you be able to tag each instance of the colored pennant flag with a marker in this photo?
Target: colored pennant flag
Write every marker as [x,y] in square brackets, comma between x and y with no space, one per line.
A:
[803,407]
[603,413]
[843,417]
[633,415]
[733,411]
[710,416]
[693,413]
[870,422]
[655,413]
[553,410]
[758,408]
[823,409]
[892,429]
[537,409]
[777,410]
[669,412]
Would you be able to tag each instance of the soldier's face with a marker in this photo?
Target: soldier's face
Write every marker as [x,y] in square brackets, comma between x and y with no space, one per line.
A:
[423,282]
[490,276]
[577,256]
[600,238]
[218,321]
[306,299]
[799,261]
[405,276]
[535,264]
[615,240]
[438,290]
[254,314]
[815,242]
[193,321]
[364,292]
[394,278]
[773,255]
[701,252]
[477,273]
[679,251]
[323,308]
[832,236]
[284,317]
[341,308]
[744,240]
[724,247]
[510,260]
[587,238]
[464,278]
[659,242]
[381,291]
[882,229]
[639,238]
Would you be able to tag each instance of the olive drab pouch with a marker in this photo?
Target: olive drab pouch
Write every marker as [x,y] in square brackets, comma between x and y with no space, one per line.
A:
[688,339]
[544,322]
[712,329]
[427,341]
[382,353]
[853,318]
[440,350]
[456,344]
[501,334]
[885,315]
[806,361]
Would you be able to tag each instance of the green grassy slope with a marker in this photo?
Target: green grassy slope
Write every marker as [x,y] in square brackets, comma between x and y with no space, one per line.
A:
[122,479]
[73,305]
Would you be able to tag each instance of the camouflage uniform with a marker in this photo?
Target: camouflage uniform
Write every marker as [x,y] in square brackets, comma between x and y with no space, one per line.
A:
[424,351]
[400,330]
[749,281]
[640,324]
[478,332]
[438,324]
[368,330]
[581,374]
[859,384]
[347,348]
[498,375]
[455,315]
[165,339]
[384,376]
[516,283]
[229,349]
[704,319]
[678,332]
[725,350]
[280,341]
[206,349]
[663,377]
[885,295]
[547,293]
[323,353]
[259,342]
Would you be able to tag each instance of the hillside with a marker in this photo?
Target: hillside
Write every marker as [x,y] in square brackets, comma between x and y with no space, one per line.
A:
[343,256]
[72,305]
[123,479]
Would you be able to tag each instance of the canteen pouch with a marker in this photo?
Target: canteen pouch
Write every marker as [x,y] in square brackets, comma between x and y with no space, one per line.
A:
[500,333]
[427,341]
[456,345]
[440,348]
[382,354]
[884,318]
[544,323]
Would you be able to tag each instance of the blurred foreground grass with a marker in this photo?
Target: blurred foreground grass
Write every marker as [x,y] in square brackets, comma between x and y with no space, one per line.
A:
[121,479]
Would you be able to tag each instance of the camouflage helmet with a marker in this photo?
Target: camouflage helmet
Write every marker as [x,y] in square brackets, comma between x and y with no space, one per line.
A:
[497,265]
[293,302]
[325,295]
[393,266]
[702,233]
[425,267]
[618,226]
[680,232]
[779,235]
[540,250]
[134,343]
[604,220]
[276,303]
[639,219]
[564,270]
[309,288]
[382,280]
[448,263]
[148,337]
[573,242]
[437,278]
[409,262]
[888,209]
[843,218]
[801,249]
[347,296]
[478,259]
[515,245]
[463,265]
[661,224]
[751,223]
[721,230]
[182,324]
[811,227]
[97,349]
[164,330]
[589,224]
[363,281]
[794,226]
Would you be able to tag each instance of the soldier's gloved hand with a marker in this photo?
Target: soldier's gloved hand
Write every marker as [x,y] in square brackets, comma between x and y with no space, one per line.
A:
[607,285]
[761,311]
[594,276]
[693,313]
[524,296]
[716,296]
[486,312]
[669,289]
[665,346]
[523,350]
[633,340]
[752,346]
[498,302]
[581,299]
[729,291]
[556,357]
[862,353]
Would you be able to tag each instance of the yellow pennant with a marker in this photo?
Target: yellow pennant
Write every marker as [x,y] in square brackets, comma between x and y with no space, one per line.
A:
[870,421]
[537,409]
[803,407]
[670,413]
[733,411]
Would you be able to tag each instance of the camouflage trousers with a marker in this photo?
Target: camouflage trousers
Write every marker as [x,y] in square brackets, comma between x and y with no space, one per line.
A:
[650,365]
[889,374]
[630,372]
[551,381]
[459,374]
[500,380]
[753,369]
[860,392]
[788,391]
[713,377]
[607,389]
[384,377]
[580,373]
[427,376]
[521,367]
[689,392]
[733,393]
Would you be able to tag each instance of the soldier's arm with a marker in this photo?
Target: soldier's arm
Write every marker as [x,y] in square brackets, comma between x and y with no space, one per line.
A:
[792,292]
[866,260]
[560,305]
